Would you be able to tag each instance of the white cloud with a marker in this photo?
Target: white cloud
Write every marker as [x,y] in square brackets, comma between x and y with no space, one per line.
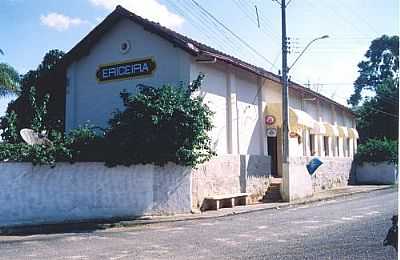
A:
[150,9]
[60,22]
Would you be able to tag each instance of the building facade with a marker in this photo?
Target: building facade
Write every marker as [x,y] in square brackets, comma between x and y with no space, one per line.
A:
[126,51]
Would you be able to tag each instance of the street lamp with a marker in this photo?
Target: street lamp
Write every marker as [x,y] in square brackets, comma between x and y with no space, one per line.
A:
[304,50]
[285,92]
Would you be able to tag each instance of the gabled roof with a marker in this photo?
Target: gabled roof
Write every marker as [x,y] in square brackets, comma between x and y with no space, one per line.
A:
[187,44]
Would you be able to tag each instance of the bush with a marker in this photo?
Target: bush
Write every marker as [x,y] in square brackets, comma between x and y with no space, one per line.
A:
[82,144]
[160,125]
[375,150]
[87,145]
[37,154]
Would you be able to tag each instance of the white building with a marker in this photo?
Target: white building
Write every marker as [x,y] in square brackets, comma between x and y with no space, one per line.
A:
[126,50]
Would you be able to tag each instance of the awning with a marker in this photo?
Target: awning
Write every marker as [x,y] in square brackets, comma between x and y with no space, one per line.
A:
[353,133]
[343,131]
[331,130]
[319,129]
[297,118]
[304,119]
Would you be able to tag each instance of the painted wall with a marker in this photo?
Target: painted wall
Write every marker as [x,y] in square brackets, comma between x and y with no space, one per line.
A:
[235,98]
[255,175]
[88,100]
[251,139]
[214,92]
[228,174]
[377,173]
[83,191]
[333,173]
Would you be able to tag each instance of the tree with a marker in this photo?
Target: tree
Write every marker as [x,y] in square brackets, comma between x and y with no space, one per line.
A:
[9,80]
[48,79]
[378,117]
[381,63]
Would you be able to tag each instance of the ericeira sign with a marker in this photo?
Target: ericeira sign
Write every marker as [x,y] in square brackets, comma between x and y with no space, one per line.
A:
[125,70]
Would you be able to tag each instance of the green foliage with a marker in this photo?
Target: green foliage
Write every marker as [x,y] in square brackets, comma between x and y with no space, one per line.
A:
[38,154]
[381,63]
[376,150]
[10,133]
[9,80]
[87,145]
[47,79]
[39,111]
[9,123]
[160,125]
[378,116]
[82,144]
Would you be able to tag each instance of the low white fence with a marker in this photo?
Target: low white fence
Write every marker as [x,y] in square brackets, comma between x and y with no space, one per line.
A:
[87,191]
[83,191]
[377,173]
[298,183]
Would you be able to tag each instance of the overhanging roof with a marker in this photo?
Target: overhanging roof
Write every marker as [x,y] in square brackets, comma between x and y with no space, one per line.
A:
[187,44]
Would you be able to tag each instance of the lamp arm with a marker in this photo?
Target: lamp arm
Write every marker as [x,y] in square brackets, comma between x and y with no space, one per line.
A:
[304,50]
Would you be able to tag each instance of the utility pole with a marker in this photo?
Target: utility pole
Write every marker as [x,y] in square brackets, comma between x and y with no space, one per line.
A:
[285,83]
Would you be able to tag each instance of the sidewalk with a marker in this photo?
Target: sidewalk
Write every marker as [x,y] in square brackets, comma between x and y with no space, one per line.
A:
[321,196]
[105,224]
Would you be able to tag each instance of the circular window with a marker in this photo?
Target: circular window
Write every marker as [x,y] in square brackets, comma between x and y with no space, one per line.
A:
[124,47]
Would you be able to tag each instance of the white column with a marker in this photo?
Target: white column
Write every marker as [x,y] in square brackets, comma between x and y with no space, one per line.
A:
[335,149]
[320,140]
[355,139]
[232,113]
[261,106]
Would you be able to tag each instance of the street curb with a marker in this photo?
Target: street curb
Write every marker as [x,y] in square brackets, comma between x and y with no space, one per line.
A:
[283,206]
[102,224]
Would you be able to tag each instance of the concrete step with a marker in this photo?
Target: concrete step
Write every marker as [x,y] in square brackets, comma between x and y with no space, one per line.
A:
[273,193]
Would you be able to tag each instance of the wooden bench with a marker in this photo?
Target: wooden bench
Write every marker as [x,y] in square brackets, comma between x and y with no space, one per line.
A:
[225,201]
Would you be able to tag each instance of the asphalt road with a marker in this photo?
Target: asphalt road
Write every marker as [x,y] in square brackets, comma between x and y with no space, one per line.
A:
[350,228]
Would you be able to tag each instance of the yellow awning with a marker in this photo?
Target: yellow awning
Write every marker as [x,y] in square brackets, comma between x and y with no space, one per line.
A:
[304,119]
[343,131]
[319,129]
[353,133]
[297,118]
[331,130]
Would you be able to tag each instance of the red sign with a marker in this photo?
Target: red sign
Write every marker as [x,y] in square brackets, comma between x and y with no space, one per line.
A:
[269,120]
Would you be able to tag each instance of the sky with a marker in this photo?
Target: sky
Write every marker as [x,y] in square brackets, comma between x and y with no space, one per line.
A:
[29,28]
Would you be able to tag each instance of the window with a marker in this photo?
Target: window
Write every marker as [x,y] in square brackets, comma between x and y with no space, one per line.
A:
[337,146]
[312,144]
[326,145]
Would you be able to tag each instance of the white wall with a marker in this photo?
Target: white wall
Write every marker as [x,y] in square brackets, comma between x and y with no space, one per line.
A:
[88,100]
[234,96]
[247,99]
[295,100]
[214,92]
[75,192]
[326,112]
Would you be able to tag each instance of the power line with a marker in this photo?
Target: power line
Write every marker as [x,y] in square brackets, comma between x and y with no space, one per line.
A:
[200,27]
[213,26]
[234,34]
[342,17]
[360,17]
[384,112]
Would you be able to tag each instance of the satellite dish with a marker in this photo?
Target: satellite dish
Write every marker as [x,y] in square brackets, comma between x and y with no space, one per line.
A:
[31,137]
